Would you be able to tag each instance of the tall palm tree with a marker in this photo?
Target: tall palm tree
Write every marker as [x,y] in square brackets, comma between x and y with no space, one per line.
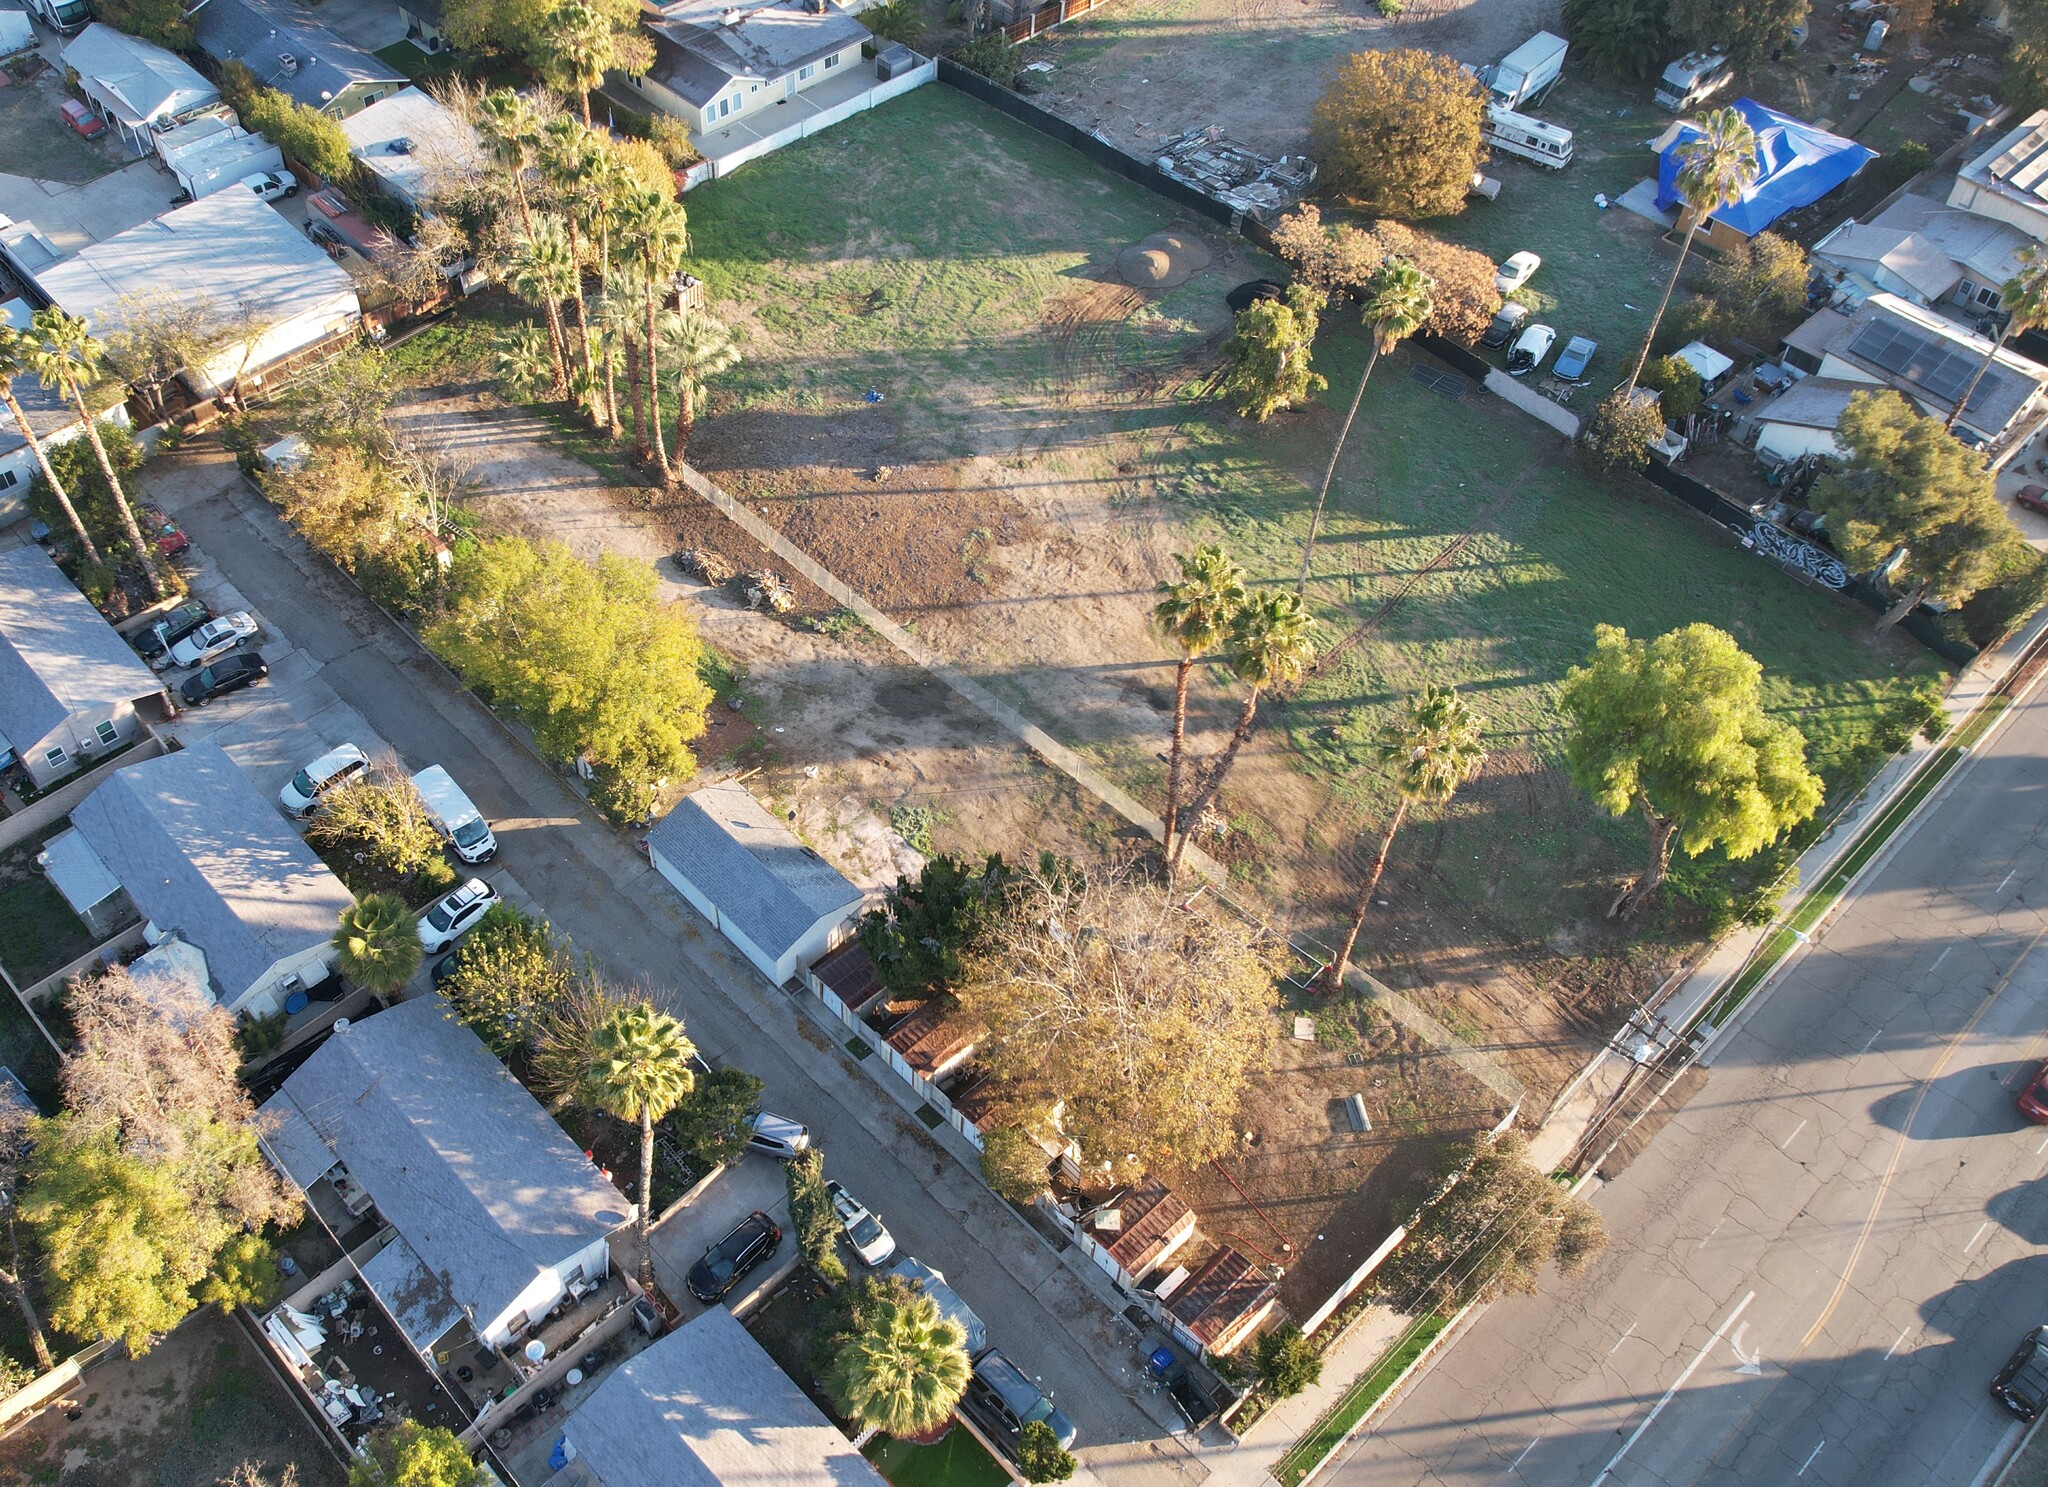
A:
[1432,749]
[698,346]
[604,182]
[1273,638]
[618,325]
[511,126]
[15,361]
[1715,168]
[901,1370]
[658,229]
[1397,302]
[378,943]
[2024,298]
[523,362]
[581,44]
[1193,614]
[569,154]
[639,1070]
[63,354]
[542,271]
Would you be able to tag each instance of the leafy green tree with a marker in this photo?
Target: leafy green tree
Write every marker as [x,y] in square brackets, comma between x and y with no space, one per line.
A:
[2024,83]
[993,55]
[512,974]
[1430,750]
[916,936]
[1287,1362]
[712,1124]
[409,1454]
[1680,392]
[1758,291]
[640,1070]
[2024,298]
[1266,360]
[161,21]
[1492,1225]
[14,362]
[1014,1164]
[1398,133]
[496,25]
[811,1214]
[378,943]
[1194,613]
[1675,727]
[1621,430]
[1628,39]
[1750,29]
[1912,500]
[304,134]
[1715,167]
[17,1142]
[1040,1456]
[566,1035]
[377,834]
[902,1371]
[344,402]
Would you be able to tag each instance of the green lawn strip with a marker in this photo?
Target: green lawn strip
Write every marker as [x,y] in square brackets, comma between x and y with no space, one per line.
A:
[1341,1418]
[428,67]
[957,1461]
[38,932]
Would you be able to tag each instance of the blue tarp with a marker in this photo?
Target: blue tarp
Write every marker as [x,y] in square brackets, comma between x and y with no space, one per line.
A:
[1797,164]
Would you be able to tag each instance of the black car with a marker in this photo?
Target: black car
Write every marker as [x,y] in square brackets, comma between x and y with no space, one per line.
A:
[228,674]
[1002,1401]
[1505,325]
[2022,1385]
[733,1256]
[169,629]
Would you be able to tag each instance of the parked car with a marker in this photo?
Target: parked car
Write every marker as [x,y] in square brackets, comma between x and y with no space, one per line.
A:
[456,914]
[1529,350]
[272,185]
[727,1261]
[170,537]
[872,1242]
[461,824]
[2022,1385]
[81,118]
[335,767]
[446,967]
[229,674]
[776,1135]
[2034,498]
[2033,1097]
[1577,355]
[1516,270]
[1504,325]
[1002,1401]
[214,638]
[154,644]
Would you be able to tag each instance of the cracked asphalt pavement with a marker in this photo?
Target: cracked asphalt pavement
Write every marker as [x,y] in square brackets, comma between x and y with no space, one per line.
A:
[1815,1269]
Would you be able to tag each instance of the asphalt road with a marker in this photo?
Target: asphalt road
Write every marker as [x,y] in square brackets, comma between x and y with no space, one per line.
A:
[596,889]
[1818,1265]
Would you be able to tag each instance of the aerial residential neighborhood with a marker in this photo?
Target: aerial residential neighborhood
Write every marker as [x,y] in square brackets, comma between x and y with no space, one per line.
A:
[1144,742]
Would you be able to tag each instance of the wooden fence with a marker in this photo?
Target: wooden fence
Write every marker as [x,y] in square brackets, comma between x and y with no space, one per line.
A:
[1047,16]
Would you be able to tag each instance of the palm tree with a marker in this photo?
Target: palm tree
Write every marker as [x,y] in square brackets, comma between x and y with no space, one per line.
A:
[2024,298]
[522,362]
[569,154]
[1715,168]
[639,1070]
[511,127]
[581,44]
[901,1370]
[542,271]
[1434,748]
[657,227]
[1193,614]
[1274,640]
[15,361]
[63,354]
[699,346]
[618,325]
[378,944]
[1396,305]
[602,182]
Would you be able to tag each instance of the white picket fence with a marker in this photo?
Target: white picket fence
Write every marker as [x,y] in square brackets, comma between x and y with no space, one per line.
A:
[714,166]
[891,1059]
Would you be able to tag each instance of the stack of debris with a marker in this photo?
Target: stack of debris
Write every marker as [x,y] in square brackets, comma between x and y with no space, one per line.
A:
[766,589]
[701,563]
[1236,175]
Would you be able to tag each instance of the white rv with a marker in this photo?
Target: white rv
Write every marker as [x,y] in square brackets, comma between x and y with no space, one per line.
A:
[1693,79]
[460,823]
[1532,139]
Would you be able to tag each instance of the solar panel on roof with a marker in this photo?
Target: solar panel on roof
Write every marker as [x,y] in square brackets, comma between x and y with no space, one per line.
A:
[2028,176]
[1923,360]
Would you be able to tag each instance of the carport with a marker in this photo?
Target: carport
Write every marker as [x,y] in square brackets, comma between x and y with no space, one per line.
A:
[680,1239]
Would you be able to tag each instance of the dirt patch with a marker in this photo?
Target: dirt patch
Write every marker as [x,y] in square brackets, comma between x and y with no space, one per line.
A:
[1163,260]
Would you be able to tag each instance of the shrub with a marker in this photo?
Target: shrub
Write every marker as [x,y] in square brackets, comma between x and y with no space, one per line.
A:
[1040,1458]
[671,136]
[1287,1362]
[994,56]
[1013,1164]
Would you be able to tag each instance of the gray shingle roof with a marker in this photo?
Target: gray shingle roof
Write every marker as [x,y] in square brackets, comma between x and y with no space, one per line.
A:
[770,885]
[201,852]
[58,657]
[1813,403]
[769,41]
[463,1162]
[299,58]
[706,1407]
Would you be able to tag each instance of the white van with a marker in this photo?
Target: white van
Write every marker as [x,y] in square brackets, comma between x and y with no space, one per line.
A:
[1693,79]
[335,767]
[461,824]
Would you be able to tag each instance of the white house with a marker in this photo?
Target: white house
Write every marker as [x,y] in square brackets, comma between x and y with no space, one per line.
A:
[204,856]
[781,903]
[1802,420]
[497,1214]
[1924,252]
[715,62]
[70,688]
[414,146]
[2009,181]
[136,87]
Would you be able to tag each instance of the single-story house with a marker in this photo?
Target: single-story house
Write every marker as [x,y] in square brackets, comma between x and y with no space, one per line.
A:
[211,153]
[2009,181]
[71,689]
[705,1407]
[1924,252]
[1802,420]
[497,1212]
[1797,164]
[715,62]
[414,146]
[50,414]
[781,903]
[299,57]
[1222,1303]
[229,258]
[204,855]
[136,87]
[86,883]
[936,1039]
[1892,342]
[1135,1232]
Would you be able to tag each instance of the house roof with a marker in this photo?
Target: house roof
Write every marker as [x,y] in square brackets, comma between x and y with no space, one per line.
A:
[2017,165]
[771,886]
[138,82]
[710,43]
[935,1037]
[1797,164]
[850,973]
[1811,403]
[1216,1298]
[1927,246]
[1926,356]
[412,1293]
[414,144]
[458,1157]
[75,871]
[707,1407]
[204,854]
[301,59]
[230,249]
[1817,332]
[58,658]
[1152,1218]
[16,34]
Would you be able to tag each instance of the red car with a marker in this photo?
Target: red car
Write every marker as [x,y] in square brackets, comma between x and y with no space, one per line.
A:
[2033,1098]
[170,539]
[2034,498]
[81,118]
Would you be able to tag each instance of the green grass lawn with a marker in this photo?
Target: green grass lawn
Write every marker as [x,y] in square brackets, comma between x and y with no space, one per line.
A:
[430,67]
[35,142]
[38,932]
[957,1461]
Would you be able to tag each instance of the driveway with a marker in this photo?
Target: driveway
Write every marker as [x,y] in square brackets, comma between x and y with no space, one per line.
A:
[77,216]
[600,891]
[681,1239]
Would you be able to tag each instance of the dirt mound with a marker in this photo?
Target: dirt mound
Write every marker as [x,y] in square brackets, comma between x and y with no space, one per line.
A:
[1162,261]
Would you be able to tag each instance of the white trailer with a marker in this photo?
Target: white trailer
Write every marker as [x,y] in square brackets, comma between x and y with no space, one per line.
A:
[66,17]
[1527,72]
[1533,139]
[1692,79]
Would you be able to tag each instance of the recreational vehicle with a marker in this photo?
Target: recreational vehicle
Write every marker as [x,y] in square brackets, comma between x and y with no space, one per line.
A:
[1532,139]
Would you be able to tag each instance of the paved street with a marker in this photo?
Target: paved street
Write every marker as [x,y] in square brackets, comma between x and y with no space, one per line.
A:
[596,889]
[1818,1265]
